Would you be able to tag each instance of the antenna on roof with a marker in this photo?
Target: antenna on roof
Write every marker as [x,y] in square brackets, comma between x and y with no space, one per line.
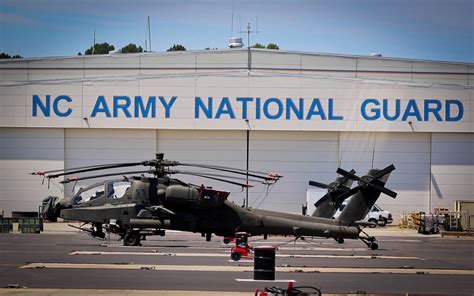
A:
[149,32]
[248,31]
[93,45]
[234,42]
[232,21]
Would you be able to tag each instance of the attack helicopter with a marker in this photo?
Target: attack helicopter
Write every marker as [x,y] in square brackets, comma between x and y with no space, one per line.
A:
[138,206]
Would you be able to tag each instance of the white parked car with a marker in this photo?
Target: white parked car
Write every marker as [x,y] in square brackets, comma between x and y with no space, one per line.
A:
[376,215]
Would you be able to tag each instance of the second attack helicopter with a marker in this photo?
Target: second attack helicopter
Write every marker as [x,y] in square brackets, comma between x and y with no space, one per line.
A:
[135,207]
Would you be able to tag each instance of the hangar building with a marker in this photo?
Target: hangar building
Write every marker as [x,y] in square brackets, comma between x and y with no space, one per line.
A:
[306,114]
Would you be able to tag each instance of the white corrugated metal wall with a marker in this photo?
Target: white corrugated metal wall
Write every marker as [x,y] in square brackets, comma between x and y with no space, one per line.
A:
[23,151]
[299,156]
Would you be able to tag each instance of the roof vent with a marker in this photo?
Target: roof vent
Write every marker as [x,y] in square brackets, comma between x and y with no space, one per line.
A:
[235,42]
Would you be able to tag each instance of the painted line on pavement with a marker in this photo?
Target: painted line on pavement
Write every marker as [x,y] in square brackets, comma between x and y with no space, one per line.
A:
[99,253]
[228,248]
[125,292]
[217,268]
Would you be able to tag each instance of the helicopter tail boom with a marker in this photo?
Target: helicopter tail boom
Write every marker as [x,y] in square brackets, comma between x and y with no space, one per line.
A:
[365,194]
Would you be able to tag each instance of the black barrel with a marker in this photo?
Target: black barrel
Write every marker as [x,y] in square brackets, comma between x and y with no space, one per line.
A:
[264,263]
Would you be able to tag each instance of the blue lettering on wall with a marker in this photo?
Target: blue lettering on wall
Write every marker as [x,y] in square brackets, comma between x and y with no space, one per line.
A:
[432,109]
[167,105]
[297,110]
[266,108]
[121,103]
[225,108]
[331,116]
[244,101]
[199,105]
[375,112]
[460,108]
[100,107]
[385,110]
[273,108]
[46,107]
[315,109]
[56,106]
[144,111]
[411,110]
[258,105]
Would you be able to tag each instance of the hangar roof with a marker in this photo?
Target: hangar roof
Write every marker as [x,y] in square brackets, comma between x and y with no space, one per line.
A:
[235,50]
[237,62]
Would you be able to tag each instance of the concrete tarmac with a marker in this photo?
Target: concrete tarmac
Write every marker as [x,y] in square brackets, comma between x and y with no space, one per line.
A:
[64,261]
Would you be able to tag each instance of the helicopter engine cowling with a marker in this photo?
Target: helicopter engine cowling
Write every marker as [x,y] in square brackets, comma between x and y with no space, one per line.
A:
[199,198]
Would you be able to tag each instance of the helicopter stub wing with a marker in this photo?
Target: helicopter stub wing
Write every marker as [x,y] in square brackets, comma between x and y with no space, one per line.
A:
[155,212]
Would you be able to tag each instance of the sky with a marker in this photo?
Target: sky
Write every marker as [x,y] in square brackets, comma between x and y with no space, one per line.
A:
[415,29]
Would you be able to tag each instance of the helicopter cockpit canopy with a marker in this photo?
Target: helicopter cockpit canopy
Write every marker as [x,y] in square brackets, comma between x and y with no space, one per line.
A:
[112,189]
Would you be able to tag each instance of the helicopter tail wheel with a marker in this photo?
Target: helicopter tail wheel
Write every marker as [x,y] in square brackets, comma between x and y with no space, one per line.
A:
[132,238]
[369,241]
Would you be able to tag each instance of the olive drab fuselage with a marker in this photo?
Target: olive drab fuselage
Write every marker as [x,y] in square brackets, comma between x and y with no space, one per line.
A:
[139,206]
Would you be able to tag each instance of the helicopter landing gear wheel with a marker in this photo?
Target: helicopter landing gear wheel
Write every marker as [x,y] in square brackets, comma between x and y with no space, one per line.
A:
[369,241]
[235,256]
[132,238]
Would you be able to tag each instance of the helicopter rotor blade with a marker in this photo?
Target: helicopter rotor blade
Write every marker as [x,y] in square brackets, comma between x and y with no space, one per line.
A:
[322,199]
[387,191]
[99,166]
[114,166]
[344,180]
[348,174]
[211,174]
[317,184]
[348,193]
[68,180]
[217,179]
[265,176]
[222,167]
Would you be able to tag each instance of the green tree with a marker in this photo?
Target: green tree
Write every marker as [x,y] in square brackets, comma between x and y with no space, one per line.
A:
[257,45]
[100,48]
[7,56]
[131,48]
[272,46]
[177,47]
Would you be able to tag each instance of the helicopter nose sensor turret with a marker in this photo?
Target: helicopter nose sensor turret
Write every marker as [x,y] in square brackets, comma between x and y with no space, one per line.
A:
[50,208]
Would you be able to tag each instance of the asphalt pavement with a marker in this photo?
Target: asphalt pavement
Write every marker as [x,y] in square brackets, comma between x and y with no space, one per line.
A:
[65,261]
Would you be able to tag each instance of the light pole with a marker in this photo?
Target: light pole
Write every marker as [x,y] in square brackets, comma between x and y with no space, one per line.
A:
[248,146]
